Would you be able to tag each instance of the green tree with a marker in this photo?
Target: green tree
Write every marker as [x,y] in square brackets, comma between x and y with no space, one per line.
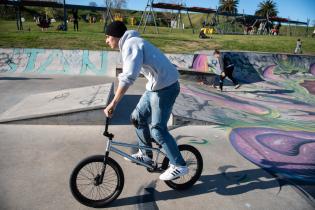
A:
[229,6]
[48,12]
[267,8]
[119,4]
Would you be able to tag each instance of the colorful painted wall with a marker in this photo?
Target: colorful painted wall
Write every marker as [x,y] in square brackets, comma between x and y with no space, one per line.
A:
[250,67]
[87,62]
[270,120]
[198,62]
[46,61]
[253,67]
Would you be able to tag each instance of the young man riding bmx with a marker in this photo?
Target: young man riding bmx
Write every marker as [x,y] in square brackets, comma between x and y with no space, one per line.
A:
[154,108]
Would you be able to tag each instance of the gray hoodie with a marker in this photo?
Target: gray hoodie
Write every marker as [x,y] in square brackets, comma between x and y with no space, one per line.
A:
[140,56]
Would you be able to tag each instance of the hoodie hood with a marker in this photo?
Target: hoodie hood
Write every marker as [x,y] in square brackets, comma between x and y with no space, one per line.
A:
[140,56]
[127,35]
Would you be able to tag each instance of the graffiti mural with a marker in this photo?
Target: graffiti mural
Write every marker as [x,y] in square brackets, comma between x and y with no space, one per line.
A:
[270,118]
[55,61]
[87,62]
[290,153]
[195,62]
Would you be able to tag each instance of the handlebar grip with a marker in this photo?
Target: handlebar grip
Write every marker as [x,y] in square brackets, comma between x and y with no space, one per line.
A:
[106,124]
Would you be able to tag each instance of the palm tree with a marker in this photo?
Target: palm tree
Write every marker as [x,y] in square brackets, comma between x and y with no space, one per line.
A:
[267,8]
[229,6]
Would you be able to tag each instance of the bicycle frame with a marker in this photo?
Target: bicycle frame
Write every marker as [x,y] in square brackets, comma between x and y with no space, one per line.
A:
[110,147]
[111,143]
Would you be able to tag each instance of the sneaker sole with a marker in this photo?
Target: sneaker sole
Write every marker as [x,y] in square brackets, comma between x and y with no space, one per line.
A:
[176,177]
[150,163]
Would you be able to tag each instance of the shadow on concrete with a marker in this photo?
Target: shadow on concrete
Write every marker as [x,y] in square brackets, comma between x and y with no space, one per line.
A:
[274,91]
[23,78]
[245,71]
[86,117]
[303,178]
[224,183]
[124,110]
[305,188]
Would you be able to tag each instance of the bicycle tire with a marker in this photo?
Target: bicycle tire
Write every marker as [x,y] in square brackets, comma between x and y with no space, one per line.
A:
[194,172]
[83,177]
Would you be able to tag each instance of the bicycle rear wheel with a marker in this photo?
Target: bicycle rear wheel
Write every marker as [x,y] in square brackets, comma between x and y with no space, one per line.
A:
[194,163]
[86,184]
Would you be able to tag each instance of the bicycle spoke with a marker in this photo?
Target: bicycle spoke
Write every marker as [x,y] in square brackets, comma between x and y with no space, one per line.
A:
[192,164]
[86,185]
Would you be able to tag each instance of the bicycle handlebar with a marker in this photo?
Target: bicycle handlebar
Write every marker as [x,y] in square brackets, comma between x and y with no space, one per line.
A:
[109,135]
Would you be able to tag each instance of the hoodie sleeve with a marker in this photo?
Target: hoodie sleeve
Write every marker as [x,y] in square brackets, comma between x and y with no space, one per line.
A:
[132,58]
[221,64]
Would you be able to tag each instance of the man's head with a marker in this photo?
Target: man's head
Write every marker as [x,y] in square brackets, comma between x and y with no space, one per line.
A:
[216,53]
[114,32]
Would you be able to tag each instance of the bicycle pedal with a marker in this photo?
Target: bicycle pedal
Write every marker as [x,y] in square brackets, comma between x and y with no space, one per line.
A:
[155,170]
[151,170]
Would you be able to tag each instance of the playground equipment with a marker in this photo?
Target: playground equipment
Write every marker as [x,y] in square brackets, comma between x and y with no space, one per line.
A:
[263,25]
[118,17]
[108,14]
[19,5]
[132,21]
[206,32]
[148,12]
[177,18]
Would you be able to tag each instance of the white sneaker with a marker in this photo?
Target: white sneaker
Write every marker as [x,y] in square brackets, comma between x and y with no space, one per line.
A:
[219,89]
[141,157]
[237,86]
[173,172]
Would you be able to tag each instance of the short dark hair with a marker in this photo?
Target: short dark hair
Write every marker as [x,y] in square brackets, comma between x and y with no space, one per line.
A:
[216,52]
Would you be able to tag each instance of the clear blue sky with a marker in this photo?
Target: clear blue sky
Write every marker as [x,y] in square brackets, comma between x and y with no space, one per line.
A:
[294,9]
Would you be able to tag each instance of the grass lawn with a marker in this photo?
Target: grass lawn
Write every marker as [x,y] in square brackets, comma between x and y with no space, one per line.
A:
[90,37]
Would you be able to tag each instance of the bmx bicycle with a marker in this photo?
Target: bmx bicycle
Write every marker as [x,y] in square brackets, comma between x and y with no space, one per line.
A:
[98,180]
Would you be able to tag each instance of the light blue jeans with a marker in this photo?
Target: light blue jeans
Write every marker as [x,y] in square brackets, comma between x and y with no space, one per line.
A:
[150,119]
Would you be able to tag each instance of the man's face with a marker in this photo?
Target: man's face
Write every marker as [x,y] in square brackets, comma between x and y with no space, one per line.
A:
[217,55]
[112,41]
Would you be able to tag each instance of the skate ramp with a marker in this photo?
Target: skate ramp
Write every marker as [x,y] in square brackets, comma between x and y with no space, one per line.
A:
[274,88]
[66,106]
[271,121]
[276,95]
[47,155]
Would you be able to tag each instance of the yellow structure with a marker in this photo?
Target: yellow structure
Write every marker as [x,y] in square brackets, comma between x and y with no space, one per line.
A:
[208,31]
[118,17]
[132,21]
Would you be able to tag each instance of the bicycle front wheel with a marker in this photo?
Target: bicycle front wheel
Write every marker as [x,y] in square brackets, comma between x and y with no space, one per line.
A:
[194,163]
[86,184]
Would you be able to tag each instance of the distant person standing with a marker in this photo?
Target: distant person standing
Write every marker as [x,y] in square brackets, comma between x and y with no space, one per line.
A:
[298,48]
[75,19]
[227,68]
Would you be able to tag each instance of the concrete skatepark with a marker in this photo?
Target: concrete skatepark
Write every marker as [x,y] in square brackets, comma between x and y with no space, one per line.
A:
[256,141]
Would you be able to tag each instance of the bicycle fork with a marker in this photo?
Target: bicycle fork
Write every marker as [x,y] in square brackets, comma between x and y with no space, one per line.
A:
[99,178]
